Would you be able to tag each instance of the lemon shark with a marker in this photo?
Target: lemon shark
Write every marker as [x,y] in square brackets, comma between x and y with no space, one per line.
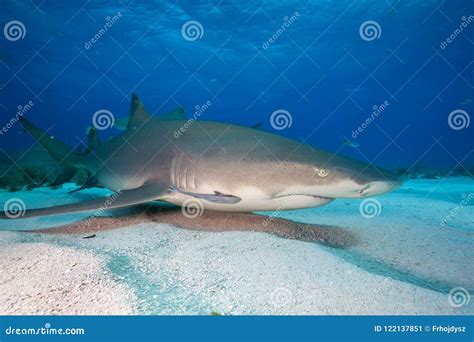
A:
[218,166]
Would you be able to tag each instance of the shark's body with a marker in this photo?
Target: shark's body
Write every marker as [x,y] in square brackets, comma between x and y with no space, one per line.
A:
[215,166]
[260,169]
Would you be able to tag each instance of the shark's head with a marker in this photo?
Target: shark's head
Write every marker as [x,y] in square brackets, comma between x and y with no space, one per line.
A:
[339,177]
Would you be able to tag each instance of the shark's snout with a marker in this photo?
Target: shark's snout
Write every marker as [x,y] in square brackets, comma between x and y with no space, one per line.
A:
[372,183]
[347,178]
[349,189]
[378,188]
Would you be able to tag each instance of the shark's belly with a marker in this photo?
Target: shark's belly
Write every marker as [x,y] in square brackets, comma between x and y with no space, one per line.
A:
[251,200]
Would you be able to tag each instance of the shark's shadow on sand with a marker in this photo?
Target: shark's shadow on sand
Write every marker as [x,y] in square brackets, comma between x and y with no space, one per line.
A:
[212,221]
[342,242]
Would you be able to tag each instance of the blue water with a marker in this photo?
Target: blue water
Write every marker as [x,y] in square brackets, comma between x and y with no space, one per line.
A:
[317,67]
[386,82]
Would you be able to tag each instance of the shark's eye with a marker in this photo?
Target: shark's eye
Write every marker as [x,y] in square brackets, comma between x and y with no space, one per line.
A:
[321,172]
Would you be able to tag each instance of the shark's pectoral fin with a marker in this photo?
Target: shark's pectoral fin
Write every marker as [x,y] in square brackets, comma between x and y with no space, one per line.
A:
[91,182]
[216,197]
[120,199]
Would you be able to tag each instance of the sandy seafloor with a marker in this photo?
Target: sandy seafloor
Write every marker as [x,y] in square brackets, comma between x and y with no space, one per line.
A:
[405,261]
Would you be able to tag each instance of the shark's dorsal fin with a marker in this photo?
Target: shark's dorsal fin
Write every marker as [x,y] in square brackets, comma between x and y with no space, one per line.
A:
[92,139]
[123,124]
[138,113]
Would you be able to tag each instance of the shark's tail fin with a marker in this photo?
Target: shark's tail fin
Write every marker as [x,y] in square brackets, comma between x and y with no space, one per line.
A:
[62,153]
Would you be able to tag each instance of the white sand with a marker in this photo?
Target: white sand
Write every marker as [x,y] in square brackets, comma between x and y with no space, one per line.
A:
[160,269]
[43,279]
[185,272]
[407,233]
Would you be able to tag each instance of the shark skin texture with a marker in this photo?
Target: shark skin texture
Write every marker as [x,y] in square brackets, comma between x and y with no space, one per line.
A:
[215,166]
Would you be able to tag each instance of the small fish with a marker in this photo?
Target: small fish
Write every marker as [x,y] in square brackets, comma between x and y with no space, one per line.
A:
[54,32]
[216,197]
[350,143]
[4,57]
[89,236]
[466,101]
[355,90]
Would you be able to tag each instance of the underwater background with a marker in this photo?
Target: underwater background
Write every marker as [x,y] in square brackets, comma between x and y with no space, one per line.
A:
[329,65]
[386,82]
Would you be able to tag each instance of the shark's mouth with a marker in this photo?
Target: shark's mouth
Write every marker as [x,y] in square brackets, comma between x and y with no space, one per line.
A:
[322,198]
